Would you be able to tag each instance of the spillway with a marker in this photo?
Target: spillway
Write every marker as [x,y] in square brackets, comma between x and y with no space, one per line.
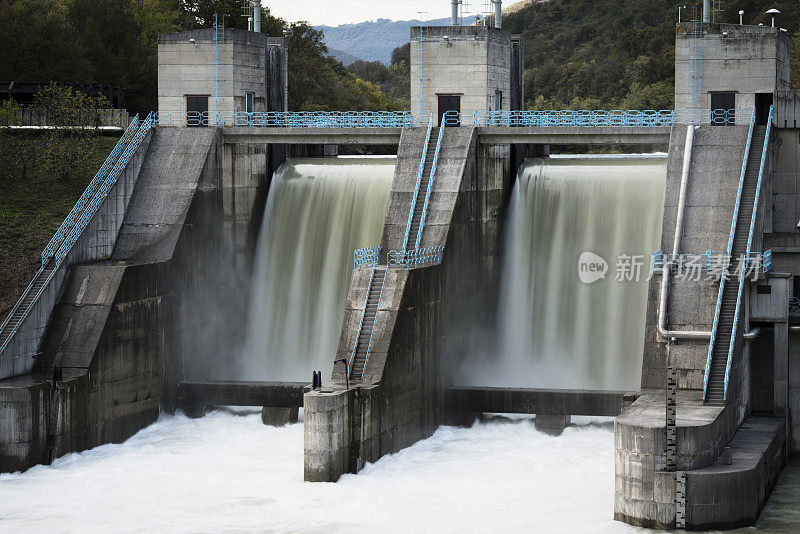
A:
[318,211]
[555,330]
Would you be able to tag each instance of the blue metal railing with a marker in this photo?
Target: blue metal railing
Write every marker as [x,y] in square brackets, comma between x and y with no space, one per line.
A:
[430,186]
[597,118]
[410,259]
[407,119]
[102,193]
[77,209]
[366,257]
[696,56]
[372,331]
[419,179]
[731,235]
[749,244]
[294,119]
[766,262]
[86,216]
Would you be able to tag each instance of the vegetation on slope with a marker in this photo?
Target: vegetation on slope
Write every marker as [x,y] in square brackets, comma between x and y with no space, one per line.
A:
[613,54]
[115,42]
[42,174]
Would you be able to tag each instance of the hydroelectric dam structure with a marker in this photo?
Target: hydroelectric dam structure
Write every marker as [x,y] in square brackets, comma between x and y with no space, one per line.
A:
[223,253]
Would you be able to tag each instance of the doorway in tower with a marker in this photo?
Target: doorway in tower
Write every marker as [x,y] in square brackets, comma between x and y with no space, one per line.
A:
[449,103]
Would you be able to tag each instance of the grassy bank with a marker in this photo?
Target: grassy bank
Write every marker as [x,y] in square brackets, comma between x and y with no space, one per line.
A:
[36,194]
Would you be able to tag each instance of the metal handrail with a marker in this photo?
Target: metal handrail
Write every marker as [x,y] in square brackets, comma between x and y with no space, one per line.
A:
[411,259]
[407,119]
[55,241]
[366,257]
[749,244]
[430,185]
[419,179]
[361,323]
[372,330]
[294,119]
[598,117]
[728,253]
[101,194]
[87,214]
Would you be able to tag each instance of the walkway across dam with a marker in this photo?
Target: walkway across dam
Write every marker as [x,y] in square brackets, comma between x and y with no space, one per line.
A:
[234,393]
[537,401]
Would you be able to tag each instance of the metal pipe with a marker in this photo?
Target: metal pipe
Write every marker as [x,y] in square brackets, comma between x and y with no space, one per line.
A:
[498,13]
[706,10]
[752,334]
[454,12]
[676,244]
[257,16]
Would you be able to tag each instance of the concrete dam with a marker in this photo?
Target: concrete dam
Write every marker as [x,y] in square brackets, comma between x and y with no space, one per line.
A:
[638,265]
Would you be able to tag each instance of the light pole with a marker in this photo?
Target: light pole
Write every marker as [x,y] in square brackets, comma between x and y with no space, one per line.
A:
[741,14]
[679,13]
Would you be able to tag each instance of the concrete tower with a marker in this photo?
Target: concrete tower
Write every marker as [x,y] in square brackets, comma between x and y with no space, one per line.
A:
[727,66]
[465,68]
[252,66]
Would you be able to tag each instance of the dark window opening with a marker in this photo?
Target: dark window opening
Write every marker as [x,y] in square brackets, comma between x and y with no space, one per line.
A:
[764,290]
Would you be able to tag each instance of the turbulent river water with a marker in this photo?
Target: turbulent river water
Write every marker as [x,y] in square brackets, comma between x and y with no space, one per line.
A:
[227,472]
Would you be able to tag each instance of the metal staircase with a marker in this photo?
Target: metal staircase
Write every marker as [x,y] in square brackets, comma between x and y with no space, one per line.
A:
[72,227]
[417,213]
[358,360]
[727,314]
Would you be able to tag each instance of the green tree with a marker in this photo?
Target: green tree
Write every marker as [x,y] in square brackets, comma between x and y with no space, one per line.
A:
[39,43]
[120,40]
[74,118]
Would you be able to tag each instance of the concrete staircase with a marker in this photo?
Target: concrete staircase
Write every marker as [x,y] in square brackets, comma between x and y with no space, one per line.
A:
[715,393]
[359,360]
[416,218]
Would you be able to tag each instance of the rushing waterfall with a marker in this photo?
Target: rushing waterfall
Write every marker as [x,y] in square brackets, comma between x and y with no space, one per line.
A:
[555,330]
[318,211]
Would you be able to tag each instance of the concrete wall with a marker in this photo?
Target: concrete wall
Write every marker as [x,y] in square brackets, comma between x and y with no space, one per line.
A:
[747,60]
[95,242]
[474,62]
[126,330]
[426,317]
[253,62]
[710,198]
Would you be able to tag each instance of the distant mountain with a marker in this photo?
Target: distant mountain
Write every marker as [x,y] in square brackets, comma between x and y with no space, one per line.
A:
[372,40]
[343,56]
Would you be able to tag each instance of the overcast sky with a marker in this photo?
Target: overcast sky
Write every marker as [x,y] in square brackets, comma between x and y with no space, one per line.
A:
[335,12]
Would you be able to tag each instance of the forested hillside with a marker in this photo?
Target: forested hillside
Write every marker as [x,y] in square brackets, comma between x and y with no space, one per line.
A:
[586,54]
[115,42]
[578,53]
[615,53]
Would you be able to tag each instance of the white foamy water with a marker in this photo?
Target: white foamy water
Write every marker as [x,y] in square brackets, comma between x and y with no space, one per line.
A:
[230,473]
[319,210]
